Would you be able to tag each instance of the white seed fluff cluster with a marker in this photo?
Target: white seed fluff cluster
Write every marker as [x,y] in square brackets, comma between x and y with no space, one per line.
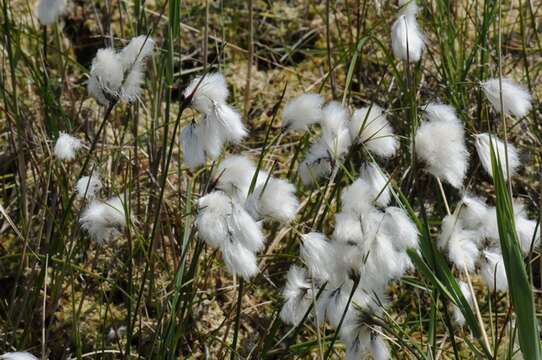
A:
[229,218]
[48,11]
[88,187]
[516,100]
[219,124]
[440,143]
[339,131]
[66,146]
[368,245]
[470,238]
[484,143]
[119,75]
[18,356]
[104,220]
[407,40]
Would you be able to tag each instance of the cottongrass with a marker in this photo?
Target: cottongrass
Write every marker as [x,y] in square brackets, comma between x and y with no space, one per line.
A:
[66,146]
[88,186]
[18,356]
[407,40]
[506,154]
[119,75]
[104,220]
[48,11]
[516,100]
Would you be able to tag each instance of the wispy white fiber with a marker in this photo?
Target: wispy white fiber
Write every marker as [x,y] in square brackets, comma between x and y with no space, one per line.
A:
[302,111]
[239,260]
[317,164]
[234,176]
[408,7]
[370,126]
[335,132]
[516,100]
[18,356]
[317,253]
[401,228]
[297,295]
[528,232]
[103,220]
[192,142]
[66,146]
[358,197]
[484,142]
[48,11]
[492,270]
[440,143]
[212,89]
[379,349]
[458,317]
[212,219]
[274,199]
[88,186]
[228,122]
[379,183]
[407,41]
[106,76]
[138,49]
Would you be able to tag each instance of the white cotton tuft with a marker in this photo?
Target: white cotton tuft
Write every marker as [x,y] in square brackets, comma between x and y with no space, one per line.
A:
[318,255]
[131,86]
[515,99]
[212,138]
[296,295]
[193,151]
[458,317]
[335,132]
[212,89]
[408,7]
[18,356]
[48,11]
[492,270]
[407,41]
[379,349]
[212,219]
[228,122]
[528,233]
[378,182]
[275,200]
[66,146]
[370,126]
[440,143]
[103,219]
[138,49]
[473,212]
[106,76]
[317,164]
[245,229]
[348,228]
[88,186]
[400,228]
[463,248]
[239,260]
[234,176]
[357,197]
[302,111]
[483,144]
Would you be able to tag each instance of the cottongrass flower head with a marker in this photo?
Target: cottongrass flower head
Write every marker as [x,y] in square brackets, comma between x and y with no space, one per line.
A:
[119,75]
[88,187]
[18,356]
[297,294]
[302,111]
[484,142]
[222,222]
[335,131]
[219,124]
[378,182]
[274,199]
[234,176]
[407,41]
[516,100]
[103,220]
[440,143]
[48,11]
[370,126]
[457,316]
[66,146]
[408,7]
[317,164]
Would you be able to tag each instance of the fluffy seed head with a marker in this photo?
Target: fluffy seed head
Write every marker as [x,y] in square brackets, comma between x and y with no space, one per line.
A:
[66,146]
[302,111]
[275,200]
[369,126]
[193,150]
[492,270]
[296,295]
[440,143]
[228,122]
[48,11]
[213,88]
[239,260]
[516,100]
[335,133]
[106,76]
[378,182]
[18,356]
[138,49]
[103,219]
[407,41]
[484,142]
[317,253]
[88,186]
[317,164]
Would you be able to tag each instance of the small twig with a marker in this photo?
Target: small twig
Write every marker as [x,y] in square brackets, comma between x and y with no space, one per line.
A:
[444,196]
